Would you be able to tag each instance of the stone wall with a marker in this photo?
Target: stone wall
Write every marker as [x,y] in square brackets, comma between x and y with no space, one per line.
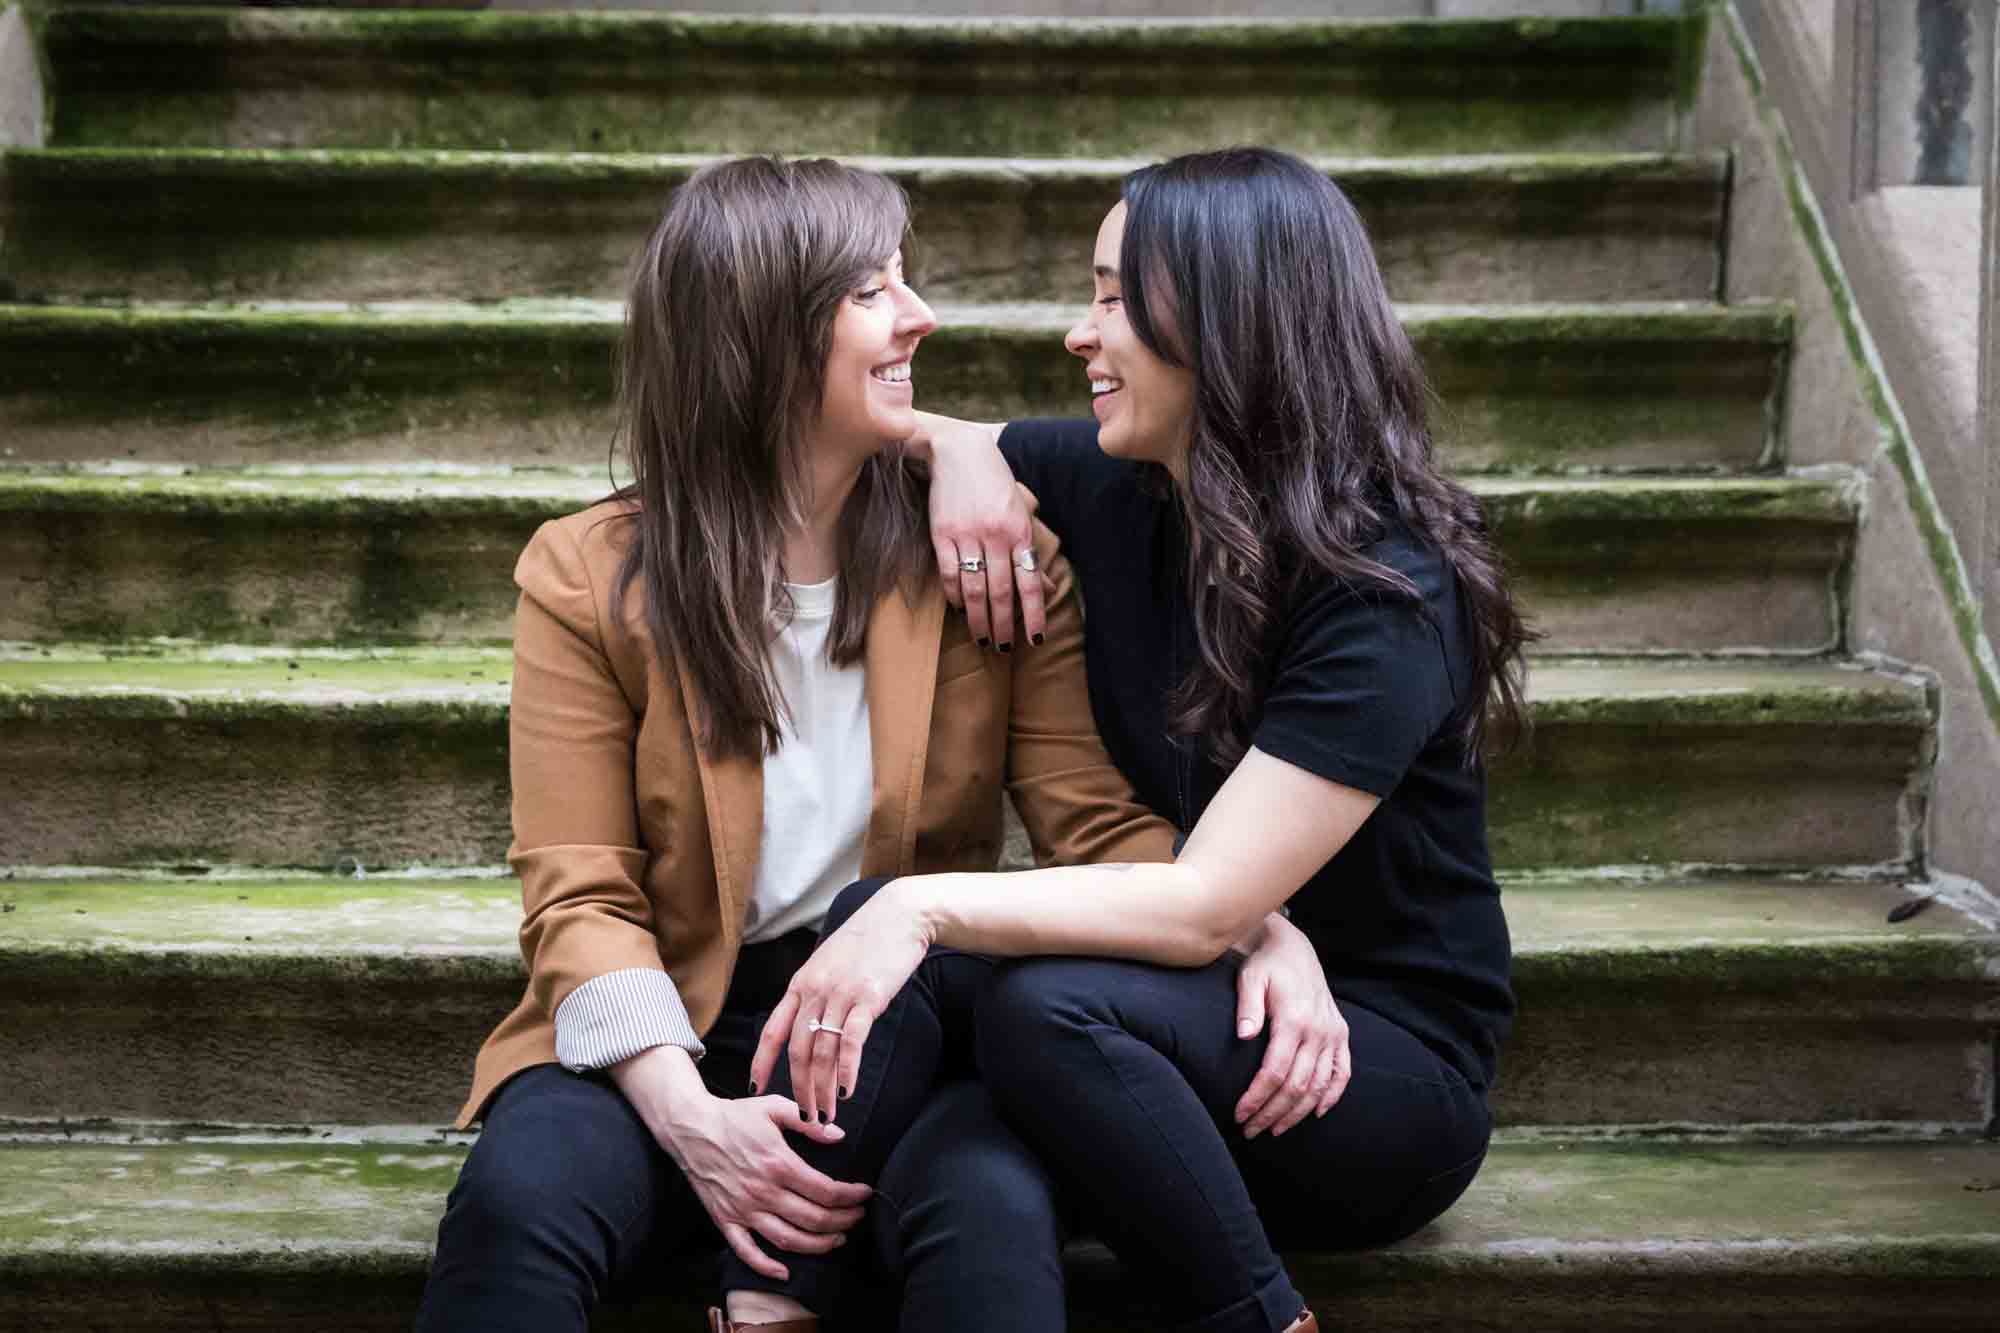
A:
[1886,372]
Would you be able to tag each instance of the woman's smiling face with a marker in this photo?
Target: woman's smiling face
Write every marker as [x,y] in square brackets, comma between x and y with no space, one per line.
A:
[869,395]
[1144,406]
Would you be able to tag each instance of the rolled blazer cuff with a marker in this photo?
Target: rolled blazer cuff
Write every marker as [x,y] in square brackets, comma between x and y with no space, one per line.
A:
[615,1016]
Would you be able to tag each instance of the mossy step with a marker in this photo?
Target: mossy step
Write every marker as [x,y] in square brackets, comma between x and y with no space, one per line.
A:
[1540,387]
[258,1231]
[301,758]
[223,225]
[303,998]
[615,82]
[262,555]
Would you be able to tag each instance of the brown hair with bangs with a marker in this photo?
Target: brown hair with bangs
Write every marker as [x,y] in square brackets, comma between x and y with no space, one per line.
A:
[728,322]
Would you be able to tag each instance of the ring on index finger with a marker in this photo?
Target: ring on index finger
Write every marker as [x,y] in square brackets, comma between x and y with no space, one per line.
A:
[972,564]
[1024,560]
[814,1025]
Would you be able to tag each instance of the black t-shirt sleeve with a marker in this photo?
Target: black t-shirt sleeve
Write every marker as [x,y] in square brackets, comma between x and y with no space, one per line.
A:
[1060,462]
[1362,686]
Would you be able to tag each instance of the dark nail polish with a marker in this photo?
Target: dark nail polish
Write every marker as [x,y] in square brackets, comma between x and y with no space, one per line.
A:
[984,643]
[803,1117]
[844,1093]
[1036,639]
[822,1117]
[1006,647]
[753,1087]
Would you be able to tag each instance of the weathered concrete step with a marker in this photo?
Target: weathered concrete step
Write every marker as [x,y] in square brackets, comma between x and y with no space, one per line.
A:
[301,758]
[220,225]
[1542,387]
[1603,564]
[1030,87]
[363,999]
[232,1232]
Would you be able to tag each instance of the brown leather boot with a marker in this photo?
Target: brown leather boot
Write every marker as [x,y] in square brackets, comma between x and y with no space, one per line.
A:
[719,1322]
[1305,1323]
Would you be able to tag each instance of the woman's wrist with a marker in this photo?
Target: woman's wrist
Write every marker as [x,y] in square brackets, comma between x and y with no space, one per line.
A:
[941,435]
[915,898]
[665,1088]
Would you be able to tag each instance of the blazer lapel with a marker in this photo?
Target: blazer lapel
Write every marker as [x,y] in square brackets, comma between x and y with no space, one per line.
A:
[732,792]
[902,659]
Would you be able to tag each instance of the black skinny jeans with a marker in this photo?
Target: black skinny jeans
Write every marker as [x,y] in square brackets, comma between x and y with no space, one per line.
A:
[567,1199]
[1126,1076]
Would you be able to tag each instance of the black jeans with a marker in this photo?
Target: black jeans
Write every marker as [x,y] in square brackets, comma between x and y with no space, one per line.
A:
[567,1199]
[1126,1076]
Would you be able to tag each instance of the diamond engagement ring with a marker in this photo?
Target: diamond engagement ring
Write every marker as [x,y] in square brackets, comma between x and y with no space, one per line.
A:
[1024,560]
[973,564]
[814,1025]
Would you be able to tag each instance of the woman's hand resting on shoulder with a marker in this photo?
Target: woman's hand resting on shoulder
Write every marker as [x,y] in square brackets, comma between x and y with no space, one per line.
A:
[845,985]
[1307,1064]
[733,1152]
[978,511]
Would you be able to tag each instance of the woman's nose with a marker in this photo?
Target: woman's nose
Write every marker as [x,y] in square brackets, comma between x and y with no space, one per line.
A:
[1081,340]
[917,316]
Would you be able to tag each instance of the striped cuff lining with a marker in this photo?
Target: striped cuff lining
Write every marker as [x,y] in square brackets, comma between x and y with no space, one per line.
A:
[616,1016]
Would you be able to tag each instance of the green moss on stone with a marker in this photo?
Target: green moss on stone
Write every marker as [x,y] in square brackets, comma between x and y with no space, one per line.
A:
[1740,327]
[412,682]
[567,80]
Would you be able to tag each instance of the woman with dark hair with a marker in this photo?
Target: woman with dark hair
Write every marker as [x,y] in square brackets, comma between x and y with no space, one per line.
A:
[735,690]
[1300,644]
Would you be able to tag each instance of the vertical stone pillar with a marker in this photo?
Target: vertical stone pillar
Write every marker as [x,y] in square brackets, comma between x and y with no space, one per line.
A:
[21,107]
[1988,571]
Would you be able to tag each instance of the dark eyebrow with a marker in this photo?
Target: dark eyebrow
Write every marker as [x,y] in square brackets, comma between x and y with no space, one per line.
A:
[1106,272]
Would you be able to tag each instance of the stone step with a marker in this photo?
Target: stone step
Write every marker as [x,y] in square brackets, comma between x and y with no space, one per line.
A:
[1028,87]
[364,999]
[131,1229]
[1617,565]
[260,556]
[301,758]
[220,225]
[1544,387]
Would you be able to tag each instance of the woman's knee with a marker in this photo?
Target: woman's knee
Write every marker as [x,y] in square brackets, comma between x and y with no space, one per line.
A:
[1035,1000]
[1022,1004]
[554,1158]
[849,900]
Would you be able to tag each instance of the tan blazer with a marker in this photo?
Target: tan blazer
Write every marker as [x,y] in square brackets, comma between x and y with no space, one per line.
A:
[634,849]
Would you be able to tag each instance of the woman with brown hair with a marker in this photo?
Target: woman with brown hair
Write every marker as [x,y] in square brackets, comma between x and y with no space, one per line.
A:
[736,689]
[1300,645]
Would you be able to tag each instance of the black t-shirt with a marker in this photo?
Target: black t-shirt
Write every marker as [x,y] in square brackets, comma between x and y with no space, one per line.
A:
[1365,689]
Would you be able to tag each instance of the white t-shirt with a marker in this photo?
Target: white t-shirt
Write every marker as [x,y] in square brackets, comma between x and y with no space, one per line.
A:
[819,782]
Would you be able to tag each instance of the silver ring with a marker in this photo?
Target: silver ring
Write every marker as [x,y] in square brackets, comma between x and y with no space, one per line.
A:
[1024,560]
[973,564]
[814,1025]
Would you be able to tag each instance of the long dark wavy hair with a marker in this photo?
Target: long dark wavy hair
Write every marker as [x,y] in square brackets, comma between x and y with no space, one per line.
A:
[1252,270]
[728,321]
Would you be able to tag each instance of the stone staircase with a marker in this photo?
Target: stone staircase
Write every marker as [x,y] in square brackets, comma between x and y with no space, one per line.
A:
[309,324]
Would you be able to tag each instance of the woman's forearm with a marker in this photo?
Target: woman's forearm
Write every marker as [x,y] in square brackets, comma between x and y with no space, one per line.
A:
[934,430]
[1150,912]
[1237,866]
